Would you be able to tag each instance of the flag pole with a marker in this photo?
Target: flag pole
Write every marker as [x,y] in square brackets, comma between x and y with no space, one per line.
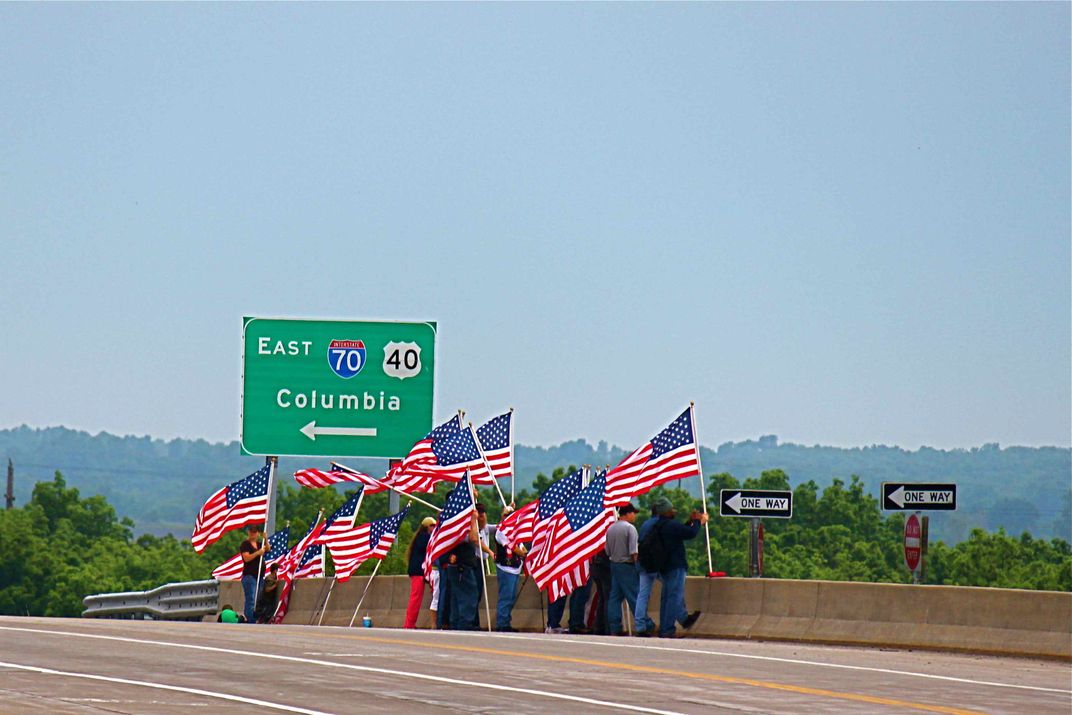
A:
[362,599]
[324,608]
[272,462]
[513,464]
[703,486]
[480,554]
[388,486]
[334,574]
[483,458]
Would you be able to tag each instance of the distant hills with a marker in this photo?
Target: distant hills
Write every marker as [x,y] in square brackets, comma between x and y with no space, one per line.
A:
[161,484]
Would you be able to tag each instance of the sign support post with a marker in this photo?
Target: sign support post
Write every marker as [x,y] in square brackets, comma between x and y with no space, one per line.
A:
[393,500]
[755,548]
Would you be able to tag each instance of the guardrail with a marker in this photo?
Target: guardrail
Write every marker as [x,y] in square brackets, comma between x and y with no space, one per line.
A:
[187,601]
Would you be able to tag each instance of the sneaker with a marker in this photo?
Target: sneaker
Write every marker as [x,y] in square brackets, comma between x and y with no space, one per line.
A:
[691,620]
[554,630]
[506,629]
[643,634]
[672,635]
[579,631]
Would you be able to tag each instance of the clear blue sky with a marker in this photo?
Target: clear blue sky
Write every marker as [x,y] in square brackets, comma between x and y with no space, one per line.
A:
[841,223]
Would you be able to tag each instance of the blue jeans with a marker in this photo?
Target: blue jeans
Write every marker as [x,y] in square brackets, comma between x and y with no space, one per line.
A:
[623,585]
[443,614]
[643,623]
[507,596]
[249,589]
[672,609]
[577,602]
[464,591]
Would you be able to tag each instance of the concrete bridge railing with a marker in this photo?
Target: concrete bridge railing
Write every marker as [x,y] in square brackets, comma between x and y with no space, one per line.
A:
[978,620]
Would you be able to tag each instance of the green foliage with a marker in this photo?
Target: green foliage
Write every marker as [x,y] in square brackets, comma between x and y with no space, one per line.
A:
[162,484]
[60,546]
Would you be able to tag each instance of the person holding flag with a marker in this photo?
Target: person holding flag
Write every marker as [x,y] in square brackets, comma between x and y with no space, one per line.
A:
[456,537]
[251,551]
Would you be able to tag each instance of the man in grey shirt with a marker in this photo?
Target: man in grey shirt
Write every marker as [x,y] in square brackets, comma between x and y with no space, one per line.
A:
[622,549]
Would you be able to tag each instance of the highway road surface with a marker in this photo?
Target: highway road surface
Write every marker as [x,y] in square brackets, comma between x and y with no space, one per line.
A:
[100,666]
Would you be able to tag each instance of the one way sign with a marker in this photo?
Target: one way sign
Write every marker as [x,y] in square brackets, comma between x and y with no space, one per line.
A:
[755,502]
[919,497]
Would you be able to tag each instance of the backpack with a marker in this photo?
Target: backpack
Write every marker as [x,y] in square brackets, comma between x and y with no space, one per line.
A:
[652,551]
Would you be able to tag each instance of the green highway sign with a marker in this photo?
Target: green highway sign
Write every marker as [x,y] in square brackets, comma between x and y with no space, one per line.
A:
[327,388]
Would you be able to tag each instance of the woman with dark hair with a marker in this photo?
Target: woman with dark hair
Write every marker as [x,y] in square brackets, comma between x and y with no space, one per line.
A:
[415,556]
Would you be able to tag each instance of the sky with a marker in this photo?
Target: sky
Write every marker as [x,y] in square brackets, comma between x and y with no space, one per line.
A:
[844,224]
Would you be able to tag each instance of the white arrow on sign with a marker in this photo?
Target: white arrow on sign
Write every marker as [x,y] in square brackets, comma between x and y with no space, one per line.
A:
[921,496]
[311,431]
[734,502]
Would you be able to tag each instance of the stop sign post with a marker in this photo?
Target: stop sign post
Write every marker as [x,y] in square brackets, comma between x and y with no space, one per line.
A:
[913,544]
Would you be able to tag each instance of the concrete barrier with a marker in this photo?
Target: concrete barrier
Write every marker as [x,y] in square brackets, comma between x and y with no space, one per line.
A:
[978,620]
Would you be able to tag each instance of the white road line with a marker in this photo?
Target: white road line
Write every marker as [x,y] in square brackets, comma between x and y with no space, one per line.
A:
[637,646]
[162,686]
[363,668]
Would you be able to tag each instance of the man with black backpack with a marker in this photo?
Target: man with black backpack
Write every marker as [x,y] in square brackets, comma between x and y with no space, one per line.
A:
[662,552]
[644,625]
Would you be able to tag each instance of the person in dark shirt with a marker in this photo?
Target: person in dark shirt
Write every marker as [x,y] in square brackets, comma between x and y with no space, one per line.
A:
[269,595]
[252,568]
[417,549]
[674,534]
[461,572]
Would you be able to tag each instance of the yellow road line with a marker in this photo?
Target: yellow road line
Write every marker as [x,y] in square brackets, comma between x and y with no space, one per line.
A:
[819,692]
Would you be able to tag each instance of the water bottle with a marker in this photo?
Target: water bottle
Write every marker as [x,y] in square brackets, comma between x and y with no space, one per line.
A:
[366,621]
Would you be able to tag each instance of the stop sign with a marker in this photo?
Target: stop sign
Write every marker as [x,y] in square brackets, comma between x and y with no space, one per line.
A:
[912,542]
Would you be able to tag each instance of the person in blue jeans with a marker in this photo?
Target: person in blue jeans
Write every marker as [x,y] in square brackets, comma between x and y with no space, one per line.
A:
[508,562]
[252,567]
[578,600]
[621,550]
[674,534]
[644,625]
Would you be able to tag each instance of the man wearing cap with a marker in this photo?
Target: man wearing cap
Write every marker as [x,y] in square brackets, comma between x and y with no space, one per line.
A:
[674,535]
[621,548]
[417,549]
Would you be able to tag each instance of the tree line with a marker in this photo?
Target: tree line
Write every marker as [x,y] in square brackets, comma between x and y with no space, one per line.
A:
[157,483]
[60,546]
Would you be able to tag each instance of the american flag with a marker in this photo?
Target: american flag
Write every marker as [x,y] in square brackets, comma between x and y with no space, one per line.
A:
[553,499]
[422,452]
[454,522]
[340,524]
[521,526]
[517,526]
[312,563]
[299,560]
[236,505]
[576,532]
[231,569]
[496,440]
[671,454]
[318,478]
[443,459]
[369,541]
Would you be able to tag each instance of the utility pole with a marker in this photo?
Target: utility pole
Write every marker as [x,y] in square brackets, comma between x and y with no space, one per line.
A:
[10,496]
